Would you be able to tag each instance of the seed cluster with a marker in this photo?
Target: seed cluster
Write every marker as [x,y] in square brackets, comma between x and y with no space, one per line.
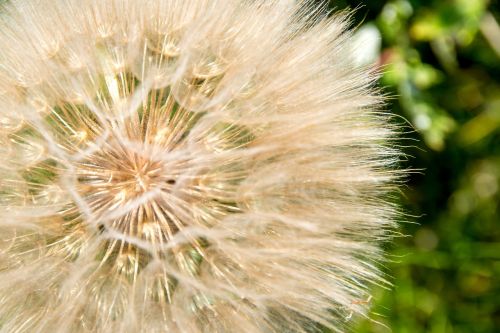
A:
[187,166]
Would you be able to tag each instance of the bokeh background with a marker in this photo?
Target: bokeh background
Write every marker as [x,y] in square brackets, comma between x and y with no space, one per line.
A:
[441,61]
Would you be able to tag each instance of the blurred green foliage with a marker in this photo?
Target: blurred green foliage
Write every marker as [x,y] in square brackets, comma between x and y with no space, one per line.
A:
[441,62]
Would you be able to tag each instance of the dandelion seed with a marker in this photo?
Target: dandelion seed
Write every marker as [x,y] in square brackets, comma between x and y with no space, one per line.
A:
[187,166]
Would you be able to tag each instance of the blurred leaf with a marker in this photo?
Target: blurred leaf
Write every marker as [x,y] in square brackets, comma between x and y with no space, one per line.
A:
[424,76]
[481,126]
[427,27]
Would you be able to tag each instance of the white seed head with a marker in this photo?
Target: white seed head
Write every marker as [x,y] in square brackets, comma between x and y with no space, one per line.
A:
[187,166]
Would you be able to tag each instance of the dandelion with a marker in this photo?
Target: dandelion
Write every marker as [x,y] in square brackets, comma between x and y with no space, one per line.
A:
[187,166]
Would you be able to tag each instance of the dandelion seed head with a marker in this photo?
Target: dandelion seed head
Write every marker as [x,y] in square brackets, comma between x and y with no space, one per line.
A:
[187,166]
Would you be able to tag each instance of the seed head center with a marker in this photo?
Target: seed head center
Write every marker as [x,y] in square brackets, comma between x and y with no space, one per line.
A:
[137,178]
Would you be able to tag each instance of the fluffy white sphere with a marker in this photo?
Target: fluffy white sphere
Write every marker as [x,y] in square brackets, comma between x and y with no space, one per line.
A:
[187,166]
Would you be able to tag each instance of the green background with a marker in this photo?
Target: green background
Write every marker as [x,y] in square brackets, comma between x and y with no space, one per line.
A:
[441,62]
